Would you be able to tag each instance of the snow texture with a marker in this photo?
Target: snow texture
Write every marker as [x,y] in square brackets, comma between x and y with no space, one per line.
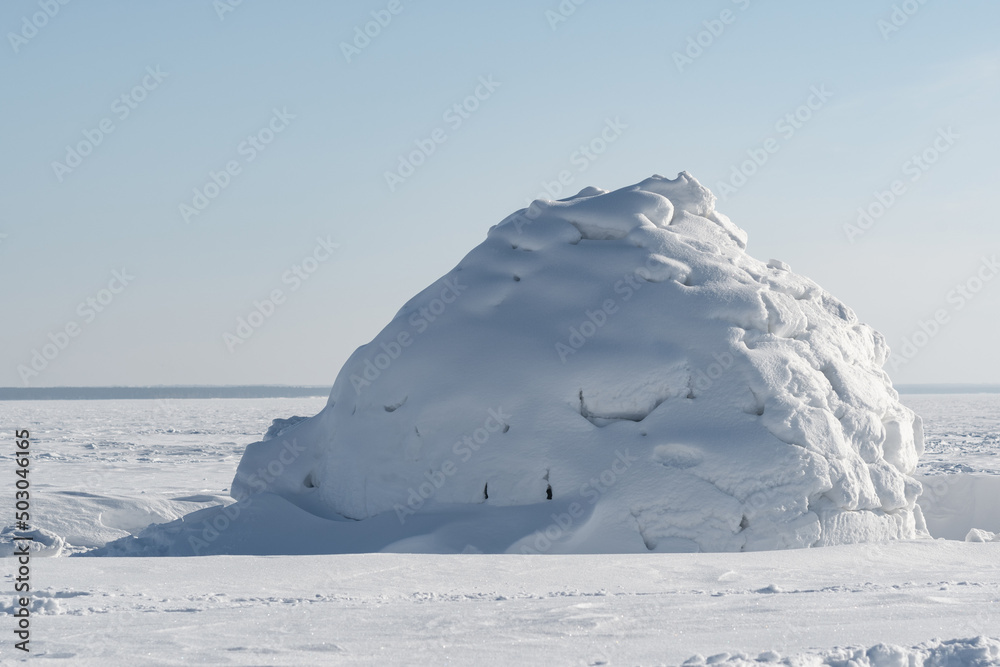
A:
[617,357]
[485,610]
[980,651]
[144,461]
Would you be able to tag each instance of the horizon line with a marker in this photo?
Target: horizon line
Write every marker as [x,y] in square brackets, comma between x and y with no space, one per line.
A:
[208,391]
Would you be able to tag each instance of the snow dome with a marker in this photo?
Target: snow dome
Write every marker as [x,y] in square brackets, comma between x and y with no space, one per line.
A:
[609,372]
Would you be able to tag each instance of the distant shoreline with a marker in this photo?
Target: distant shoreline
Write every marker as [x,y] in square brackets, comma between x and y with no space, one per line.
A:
[280,391]
[167,392]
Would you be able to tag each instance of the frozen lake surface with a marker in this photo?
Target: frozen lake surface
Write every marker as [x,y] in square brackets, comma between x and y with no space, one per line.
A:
[962,432]
[106,469]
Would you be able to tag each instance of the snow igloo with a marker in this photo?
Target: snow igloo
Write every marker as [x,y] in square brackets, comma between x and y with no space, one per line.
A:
[610,372]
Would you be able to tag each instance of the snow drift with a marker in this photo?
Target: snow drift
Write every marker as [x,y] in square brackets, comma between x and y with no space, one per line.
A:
[611,372]
[622,353]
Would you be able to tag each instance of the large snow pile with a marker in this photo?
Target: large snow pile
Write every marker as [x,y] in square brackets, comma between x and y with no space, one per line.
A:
[622,353]
[976,652]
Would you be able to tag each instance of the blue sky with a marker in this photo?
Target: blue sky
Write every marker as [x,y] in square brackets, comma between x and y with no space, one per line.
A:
[333,126]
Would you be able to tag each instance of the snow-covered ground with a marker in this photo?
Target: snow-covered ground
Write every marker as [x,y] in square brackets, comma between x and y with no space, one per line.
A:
[647,609]
[962,432]
[104,469]
[960,468]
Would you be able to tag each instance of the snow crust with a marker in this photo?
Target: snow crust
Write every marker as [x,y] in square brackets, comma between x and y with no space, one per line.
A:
[618,358]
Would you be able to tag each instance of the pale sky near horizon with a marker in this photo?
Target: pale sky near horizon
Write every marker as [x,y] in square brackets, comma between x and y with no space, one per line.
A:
[161,96]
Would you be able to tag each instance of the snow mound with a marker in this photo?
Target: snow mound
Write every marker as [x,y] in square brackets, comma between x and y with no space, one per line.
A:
[978,652]
[42,543]
[75,521]
[278,426]
[980,535]
[617,362]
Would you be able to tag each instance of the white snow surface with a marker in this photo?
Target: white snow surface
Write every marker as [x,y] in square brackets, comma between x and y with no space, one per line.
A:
[976,651]
[608,609]
[612,368]
[649,609]
[108,469]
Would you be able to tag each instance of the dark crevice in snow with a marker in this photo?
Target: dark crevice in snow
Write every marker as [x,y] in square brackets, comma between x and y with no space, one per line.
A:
[830,373]
[395,406]
[548,492]
[506,427]
[604,420]
[309,482]
[757,408]
[486,492]
[690,383]
[417,431]
[517,279]
[648,542]
[744,523]
[772,316]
